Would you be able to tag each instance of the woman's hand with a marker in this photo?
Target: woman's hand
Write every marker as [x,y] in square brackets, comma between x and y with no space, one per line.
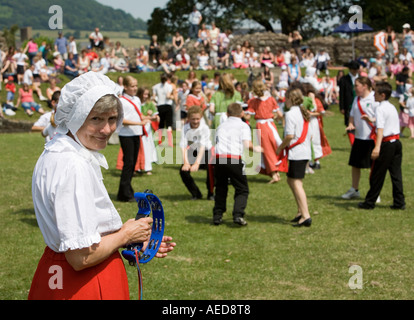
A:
[137,231]
[166,246]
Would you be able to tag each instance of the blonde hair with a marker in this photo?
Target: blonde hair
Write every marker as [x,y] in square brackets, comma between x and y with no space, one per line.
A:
[259,88]
[294,97]
[194,110]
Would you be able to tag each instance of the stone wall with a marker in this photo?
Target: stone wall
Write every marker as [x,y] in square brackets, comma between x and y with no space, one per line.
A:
[12,126]
[339,49]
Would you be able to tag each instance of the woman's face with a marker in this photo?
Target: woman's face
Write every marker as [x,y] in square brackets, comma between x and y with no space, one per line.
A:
[97,129]
[132,88]
[145,95]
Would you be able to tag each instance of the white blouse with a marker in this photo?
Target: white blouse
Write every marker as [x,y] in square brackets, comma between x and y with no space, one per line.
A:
[72,206]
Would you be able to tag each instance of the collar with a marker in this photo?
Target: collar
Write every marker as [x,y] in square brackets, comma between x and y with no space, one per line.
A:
[64,143]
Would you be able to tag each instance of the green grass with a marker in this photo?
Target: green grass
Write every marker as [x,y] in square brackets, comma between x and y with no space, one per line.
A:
[268,259]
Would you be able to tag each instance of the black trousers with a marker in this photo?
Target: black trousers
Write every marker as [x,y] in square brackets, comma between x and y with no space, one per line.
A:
[234,172]
[165,113]
[130,148]
[189,181]
[390,159]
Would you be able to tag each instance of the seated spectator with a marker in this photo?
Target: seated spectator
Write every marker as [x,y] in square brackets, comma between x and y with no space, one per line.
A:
[252,58]
[203,59]
[96,39]
[71,68]
[405,55]
[395,67]
[267,58]
[214,33]
[322,60]
[279,58]
[238,58]
[27,101]
[177,42]
[41,69]
[222,58]
[308,59]
[154,50]
[83,62]
[142,60]
[166,64]
[183,60]
[268,78]
[120,58]
[51,90]
[294,70]
[28,78]
[92,55]
[203,37]
[58,62]
[224,39]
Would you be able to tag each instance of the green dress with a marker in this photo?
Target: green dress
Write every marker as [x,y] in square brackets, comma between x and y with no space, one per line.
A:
[221,102]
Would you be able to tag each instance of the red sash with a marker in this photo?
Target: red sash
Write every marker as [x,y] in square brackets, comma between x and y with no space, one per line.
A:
[372,135]
[139,113]
[389,138]
[301,139]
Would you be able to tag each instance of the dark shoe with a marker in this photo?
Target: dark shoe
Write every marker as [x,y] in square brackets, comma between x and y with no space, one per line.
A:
[306,223]
[210,197]
[217,220]
[296,219]
[197,197]
[365,206]
[394,207]
[240,221]
[317,166]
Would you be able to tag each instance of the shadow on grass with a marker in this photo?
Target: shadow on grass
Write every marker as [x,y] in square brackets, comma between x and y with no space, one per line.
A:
[228,220]
[28,216]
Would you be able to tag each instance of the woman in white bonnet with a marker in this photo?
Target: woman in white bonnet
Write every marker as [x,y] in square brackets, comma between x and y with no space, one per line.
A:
[80,225]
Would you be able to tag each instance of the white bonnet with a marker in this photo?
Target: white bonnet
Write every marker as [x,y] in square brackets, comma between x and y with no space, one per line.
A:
[78,97]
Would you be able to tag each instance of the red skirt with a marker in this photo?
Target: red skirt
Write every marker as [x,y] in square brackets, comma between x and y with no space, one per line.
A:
[55,279]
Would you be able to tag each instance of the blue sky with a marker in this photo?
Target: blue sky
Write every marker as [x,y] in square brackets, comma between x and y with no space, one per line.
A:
[137,8]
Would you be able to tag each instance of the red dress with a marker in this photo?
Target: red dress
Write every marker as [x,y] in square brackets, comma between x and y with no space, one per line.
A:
[55,279]
[269,139]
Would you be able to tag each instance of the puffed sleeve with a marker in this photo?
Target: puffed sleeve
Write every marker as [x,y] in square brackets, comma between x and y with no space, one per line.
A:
[74,207]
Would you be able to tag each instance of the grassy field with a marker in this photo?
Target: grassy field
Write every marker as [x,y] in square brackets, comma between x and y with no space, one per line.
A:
[268,259]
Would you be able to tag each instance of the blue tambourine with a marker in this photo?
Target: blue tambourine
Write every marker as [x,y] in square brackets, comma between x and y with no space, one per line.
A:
[147,203]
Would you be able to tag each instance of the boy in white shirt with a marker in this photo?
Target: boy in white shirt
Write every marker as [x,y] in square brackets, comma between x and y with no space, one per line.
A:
[387,153]
[196,150]
[232,136]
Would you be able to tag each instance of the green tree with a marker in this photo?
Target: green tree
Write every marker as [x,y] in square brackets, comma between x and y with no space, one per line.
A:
[291,14]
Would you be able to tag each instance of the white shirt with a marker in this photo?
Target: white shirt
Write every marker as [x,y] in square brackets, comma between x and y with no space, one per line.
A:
[195,17]
[131,114]
[230,136]
[410,106]
[294,126]
[28,77]
[20,58]
[196,138]
[362,128]
[162,91]
[73,48]
[387,118]
[72,206]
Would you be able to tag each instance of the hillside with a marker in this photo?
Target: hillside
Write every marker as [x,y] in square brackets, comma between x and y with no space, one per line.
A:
[77,15]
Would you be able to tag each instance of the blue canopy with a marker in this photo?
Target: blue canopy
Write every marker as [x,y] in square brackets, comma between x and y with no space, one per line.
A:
[344,28]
